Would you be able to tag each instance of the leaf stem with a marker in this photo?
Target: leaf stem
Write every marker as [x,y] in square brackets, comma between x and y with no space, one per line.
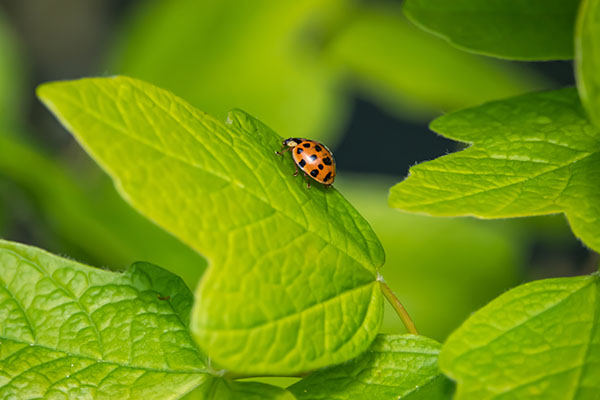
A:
[398,307]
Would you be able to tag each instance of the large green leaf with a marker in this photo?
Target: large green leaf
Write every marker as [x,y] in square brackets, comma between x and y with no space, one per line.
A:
[587,57]
[396,367]
[515,29]
[538,341]
[73,331]
[115,234]
[474,261]
[532,155]
[408,69]
[293,282]
[258,55]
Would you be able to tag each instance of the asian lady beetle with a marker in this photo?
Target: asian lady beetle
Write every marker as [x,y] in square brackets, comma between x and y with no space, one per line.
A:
[314,158]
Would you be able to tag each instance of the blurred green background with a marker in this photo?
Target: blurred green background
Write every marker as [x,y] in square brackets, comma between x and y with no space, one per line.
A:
[355,75]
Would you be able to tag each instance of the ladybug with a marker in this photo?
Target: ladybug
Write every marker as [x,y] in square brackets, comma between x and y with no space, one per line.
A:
[314,158]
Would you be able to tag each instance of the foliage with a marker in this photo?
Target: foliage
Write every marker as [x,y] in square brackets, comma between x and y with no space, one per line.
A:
[394,368]
[75,331]
[162,153]
[537,341]
[294,281]
[534,154]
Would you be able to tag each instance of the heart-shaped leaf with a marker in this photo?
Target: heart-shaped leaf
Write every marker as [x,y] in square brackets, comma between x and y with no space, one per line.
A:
[521,30]
[396,367]
[72,331]
[532,155]
[293,279]
[587,57]
[537,341]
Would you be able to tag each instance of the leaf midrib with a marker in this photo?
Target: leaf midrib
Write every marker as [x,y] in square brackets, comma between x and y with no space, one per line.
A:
[502,187]
[225,178]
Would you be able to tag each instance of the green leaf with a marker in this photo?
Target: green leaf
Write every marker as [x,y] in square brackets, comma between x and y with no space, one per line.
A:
[396,367]
[224,389]
[587,57]
[115,234]
[532,155]
[514,29]
[262,56]
[293,278]
[73,331]
[407,69]
[538,341]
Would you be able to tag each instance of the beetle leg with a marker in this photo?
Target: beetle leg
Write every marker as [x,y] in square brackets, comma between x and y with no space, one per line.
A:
[284,148]
[307,180]
[296,172]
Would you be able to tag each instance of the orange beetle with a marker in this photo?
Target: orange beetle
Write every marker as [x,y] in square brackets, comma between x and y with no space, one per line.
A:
[314,158]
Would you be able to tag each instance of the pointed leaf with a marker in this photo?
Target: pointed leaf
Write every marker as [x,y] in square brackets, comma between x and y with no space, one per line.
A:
[73,331]
[538,341]
[587,57]
[396,367]
[515,29]
[292,285]
[532,155]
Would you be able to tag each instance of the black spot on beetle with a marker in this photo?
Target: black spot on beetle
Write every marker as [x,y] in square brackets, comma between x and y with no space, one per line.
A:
[302,163]
[307,145]
[313,157]
[318,148]
[299,150]
[320,166]
[327,177]
[327,161]
[314,173]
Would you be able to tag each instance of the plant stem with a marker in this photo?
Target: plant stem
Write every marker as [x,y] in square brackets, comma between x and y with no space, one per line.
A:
[399,308]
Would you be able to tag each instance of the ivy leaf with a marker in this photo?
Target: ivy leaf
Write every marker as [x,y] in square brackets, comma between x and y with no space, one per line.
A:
[537,341]
[532,155]
[587,57]
[293,279]
[416,73]
[69,330]
[225,389]
[396,367]
[530,30]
